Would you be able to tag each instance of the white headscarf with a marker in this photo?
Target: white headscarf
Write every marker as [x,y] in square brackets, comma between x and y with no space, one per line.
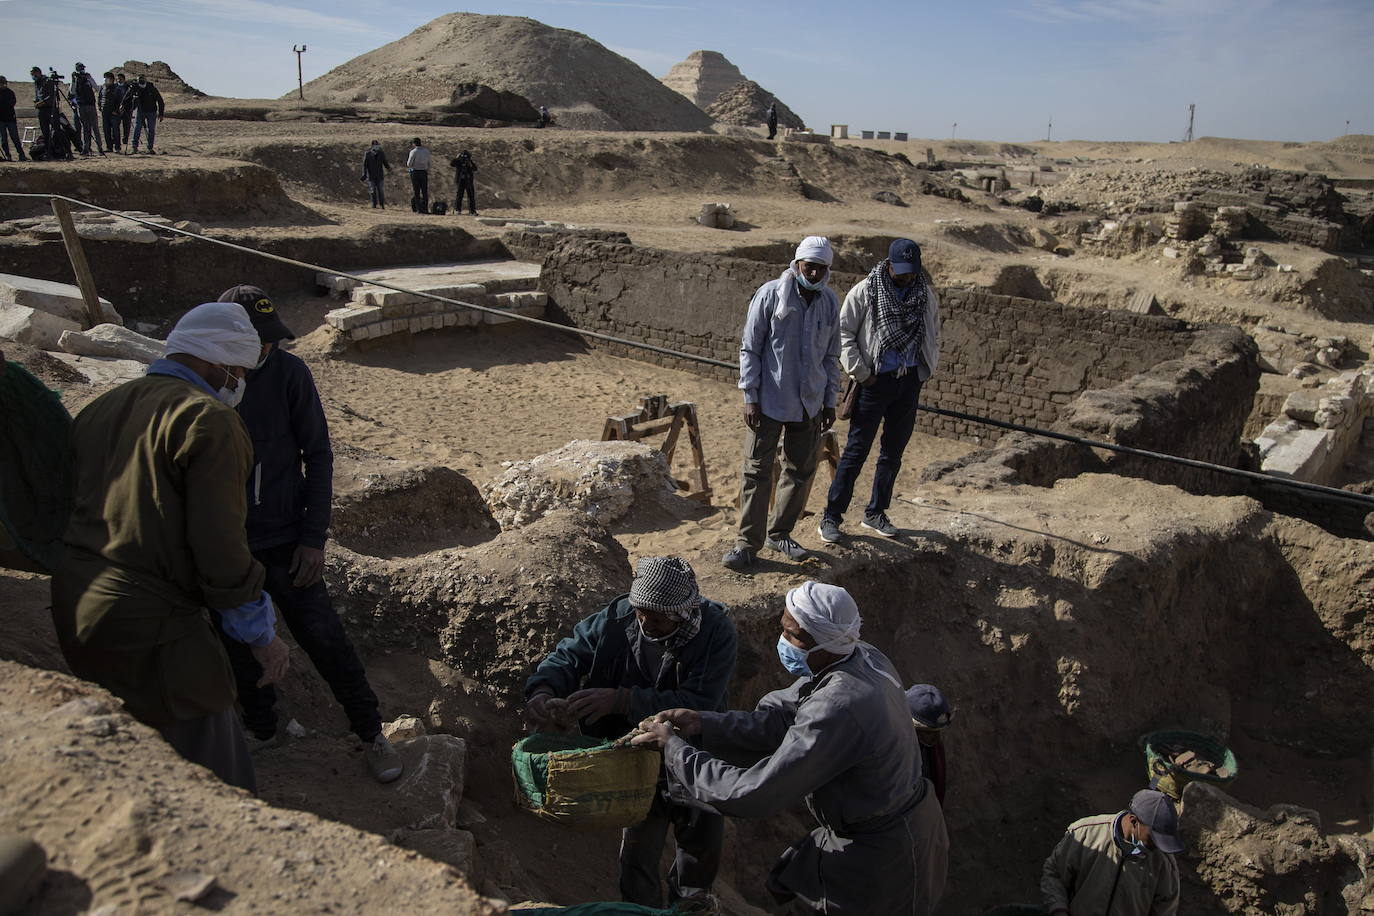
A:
[815,248]
[831,616]
[219,333]
[828,613]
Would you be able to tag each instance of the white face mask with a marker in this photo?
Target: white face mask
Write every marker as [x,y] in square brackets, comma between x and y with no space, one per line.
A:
[231,396]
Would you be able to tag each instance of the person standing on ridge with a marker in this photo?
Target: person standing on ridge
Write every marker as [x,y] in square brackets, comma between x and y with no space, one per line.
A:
[417,164]
[464,176]
[375,168]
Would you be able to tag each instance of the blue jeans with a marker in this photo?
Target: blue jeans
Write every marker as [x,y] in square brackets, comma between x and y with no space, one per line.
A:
[890,401]
[148,118]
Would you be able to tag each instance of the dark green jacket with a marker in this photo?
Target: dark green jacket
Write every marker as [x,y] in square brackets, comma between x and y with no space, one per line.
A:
[156,536]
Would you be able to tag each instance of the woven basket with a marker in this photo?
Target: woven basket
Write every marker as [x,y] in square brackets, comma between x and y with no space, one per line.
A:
[1171,779]
[584,782]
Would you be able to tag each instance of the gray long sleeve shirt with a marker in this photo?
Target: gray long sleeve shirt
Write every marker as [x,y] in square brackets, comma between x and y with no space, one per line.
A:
[789,354]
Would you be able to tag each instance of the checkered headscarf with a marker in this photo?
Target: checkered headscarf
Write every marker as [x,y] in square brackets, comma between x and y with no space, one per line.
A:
[668,586]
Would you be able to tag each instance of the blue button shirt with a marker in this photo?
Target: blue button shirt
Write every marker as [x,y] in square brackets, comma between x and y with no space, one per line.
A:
[789,356]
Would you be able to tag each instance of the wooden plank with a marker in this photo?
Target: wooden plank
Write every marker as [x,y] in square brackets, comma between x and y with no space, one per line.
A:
[77,255]
[699,454]
[649,427]
[670,444]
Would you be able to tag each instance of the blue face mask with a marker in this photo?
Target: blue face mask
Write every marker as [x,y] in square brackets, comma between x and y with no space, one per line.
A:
[792,658]
[807,284]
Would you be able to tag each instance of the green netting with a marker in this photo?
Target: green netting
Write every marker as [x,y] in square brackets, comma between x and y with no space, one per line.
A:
[35,466]
[530,758]
[1171,779]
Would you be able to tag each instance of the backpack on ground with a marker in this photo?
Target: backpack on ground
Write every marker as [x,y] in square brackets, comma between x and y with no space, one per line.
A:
[440,208]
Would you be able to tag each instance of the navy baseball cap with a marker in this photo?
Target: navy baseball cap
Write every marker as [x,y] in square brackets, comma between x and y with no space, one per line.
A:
[905,256]
[258,305]
[1156,810]
[929,708]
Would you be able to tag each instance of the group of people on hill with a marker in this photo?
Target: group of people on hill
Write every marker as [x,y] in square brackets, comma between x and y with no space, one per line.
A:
[201,499]
[418,163]
[102,114]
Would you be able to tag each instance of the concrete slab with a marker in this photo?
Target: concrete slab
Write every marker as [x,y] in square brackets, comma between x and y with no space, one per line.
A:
[113,341]
[25,325]
[60,299]
[429,276]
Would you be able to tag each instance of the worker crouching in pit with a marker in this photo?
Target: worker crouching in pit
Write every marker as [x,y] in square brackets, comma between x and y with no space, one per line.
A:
[841,738]
[659,647]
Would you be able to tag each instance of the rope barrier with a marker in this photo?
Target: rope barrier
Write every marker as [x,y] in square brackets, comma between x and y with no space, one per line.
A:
[1334,493]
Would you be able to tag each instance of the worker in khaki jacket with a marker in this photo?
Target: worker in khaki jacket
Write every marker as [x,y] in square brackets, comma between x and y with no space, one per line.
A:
[1120,864]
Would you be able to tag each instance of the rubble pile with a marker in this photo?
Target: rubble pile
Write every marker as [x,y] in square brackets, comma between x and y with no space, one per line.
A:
[746,103]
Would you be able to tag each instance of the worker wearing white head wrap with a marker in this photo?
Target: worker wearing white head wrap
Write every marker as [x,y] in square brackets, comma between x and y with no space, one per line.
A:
[841,739]
[221,335]
[789,371]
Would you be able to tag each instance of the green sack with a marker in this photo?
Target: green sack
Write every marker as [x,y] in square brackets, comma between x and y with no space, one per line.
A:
[1171,779]
[584,782]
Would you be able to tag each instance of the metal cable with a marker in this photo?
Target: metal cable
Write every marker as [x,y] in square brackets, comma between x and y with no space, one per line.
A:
[1328,492]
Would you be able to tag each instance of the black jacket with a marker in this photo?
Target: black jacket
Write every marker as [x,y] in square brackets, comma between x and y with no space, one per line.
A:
[374,161]
[285,420]
[84,89]
[604,650]
[7,103]
[45,93]
[111,96]
[146,98]
[464,167]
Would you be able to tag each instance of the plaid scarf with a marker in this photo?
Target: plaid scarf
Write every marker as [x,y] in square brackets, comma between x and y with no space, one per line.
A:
[899,315]
[689,624]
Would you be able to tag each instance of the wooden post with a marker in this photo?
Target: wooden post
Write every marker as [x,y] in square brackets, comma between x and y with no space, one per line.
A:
[77,255]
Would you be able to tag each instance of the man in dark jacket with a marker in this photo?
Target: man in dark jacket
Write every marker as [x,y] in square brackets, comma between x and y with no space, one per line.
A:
[375,168]
[772,120]
[288,520]
[464,172]
[45,97]
[9,123]
[149,109]
[83,98]
[110,102]
[126,109]
[659,647]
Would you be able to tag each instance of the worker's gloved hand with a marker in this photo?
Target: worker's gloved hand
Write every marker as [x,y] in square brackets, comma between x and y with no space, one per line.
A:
[654,732]
[307,565]
[594,702]
[275,659]
[753,416]
[538,709]
[686,721]
[827,418]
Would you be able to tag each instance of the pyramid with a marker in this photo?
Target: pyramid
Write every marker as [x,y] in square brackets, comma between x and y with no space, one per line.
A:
[584,84]
[162,76]
[702,77]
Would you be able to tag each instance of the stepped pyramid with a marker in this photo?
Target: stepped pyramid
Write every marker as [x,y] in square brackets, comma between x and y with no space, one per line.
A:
[702,77]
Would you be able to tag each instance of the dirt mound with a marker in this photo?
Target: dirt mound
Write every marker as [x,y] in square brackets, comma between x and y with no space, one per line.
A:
[162,76]
[124,820]
[1272,861]
[747,103]
[583,84]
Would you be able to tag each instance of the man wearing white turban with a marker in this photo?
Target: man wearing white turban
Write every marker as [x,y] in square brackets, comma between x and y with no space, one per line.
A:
[156,537]
[840,737]
[789,371]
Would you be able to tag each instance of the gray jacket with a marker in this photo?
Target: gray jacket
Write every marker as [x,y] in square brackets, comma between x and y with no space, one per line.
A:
[859,339]
[842,740]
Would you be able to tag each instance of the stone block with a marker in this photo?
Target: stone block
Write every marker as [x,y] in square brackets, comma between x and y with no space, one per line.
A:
[26,325]
[112,340]
[430,790]
[457,848]
[353,316]
[60,299]
[117,232]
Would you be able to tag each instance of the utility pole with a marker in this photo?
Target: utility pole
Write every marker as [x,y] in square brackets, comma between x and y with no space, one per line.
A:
[1049,129]
[954,130]
[300,82]
[1188,137]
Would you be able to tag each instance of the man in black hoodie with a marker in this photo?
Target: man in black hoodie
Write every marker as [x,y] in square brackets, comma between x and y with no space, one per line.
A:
[289,494]
[9,124]
[111,102]
[83,98]
[149,108]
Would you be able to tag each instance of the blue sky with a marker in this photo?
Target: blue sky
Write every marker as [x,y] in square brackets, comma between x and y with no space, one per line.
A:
[1103,69]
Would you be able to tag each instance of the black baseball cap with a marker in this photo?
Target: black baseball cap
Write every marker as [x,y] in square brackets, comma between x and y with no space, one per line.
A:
[260,310]
[905,256]
[1156,810]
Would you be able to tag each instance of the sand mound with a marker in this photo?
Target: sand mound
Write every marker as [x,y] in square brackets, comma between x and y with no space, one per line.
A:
[747,103]
[583,84]
[162,76]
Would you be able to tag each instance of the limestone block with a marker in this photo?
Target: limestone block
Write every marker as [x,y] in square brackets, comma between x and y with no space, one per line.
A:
[1301,454]
[117,232]
[403,728]
[1302,405]
[346,319]
[104,370]
[113,340]
[26,325]
[430,790]
[1334,412]
[60,299]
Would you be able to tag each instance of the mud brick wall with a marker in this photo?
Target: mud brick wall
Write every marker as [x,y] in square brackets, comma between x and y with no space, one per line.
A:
[1006,358]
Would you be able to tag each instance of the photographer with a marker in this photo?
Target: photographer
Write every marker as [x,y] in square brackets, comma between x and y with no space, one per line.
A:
[45,96]
[83,99]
